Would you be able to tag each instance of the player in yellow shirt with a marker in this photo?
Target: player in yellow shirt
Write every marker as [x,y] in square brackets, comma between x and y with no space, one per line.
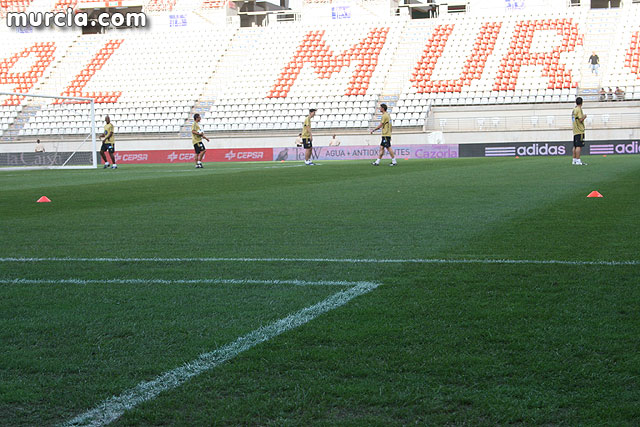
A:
[108,144]
[307,138]
[577,117]
[196,137]
[385,125]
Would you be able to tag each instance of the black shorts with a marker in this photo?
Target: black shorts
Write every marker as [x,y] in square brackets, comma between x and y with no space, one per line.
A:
[199,147]
[578,140]
[306,143]
[386,142]
[107,146]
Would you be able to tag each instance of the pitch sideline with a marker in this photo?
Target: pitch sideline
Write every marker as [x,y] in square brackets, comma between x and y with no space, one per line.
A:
[329,260]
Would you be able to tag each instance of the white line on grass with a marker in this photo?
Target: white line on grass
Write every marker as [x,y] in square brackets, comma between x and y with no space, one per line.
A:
[285,166]
[331,260]
[174,282]
[213,169]
[111,409]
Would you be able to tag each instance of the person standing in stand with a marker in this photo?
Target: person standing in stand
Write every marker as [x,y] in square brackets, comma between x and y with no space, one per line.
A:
[595,63]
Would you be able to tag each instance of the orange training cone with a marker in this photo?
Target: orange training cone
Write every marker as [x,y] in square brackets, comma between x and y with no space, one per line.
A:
[43,199]
[595,194]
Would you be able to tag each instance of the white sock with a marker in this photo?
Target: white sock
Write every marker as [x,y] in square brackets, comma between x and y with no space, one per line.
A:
[106,163]
[377,162]
[393,160]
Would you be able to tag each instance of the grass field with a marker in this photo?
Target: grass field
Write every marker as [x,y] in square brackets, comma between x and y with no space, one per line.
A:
[437,292]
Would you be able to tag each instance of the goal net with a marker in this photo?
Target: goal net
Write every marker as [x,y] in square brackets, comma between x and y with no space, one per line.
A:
[45,132]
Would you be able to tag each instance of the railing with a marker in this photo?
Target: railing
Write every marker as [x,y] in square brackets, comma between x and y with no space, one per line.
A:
[530,122]
[425,126]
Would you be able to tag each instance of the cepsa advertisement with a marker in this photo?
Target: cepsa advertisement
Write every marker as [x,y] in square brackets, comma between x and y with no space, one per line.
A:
[182,156]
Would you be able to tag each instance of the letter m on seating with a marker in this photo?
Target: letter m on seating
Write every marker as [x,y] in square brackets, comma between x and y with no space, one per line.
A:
[314,51]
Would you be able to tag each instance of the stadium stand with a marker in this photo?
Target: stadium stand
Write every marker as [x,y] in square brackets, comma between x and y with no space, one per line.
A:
[266,78]
[292,68]
[621,65]
[26,61]
[63,5]
[160,5]
[213,4]
[493,69]
[147,94]
[13,6]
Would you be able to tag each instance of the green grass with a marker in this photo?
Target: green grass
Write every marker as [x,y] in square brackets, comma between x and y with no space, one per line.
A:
[478,344]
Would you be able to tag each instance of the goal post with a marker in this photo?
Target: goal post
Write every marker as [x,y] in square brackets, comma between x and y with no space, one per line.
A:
[65,125]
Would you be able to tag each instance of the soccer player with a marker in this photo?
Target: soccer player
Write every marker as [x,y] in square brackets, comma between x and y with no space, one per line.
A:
[307,138]
[196,137]
[577,117]
[385,125]
[108,144]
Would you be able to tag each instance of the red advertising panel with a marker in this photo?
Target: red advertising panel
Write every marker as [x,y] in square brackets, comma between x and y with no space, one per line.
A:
[182,156]
[239,155]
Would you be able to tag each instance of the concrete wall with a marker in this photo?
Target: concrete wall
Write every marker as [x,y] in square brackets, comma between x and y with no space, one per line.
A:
[535,122]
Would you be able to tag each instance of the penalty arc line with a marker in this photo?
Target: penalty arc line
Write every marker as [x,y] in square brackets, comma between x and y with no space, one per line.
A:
[112,408]
[328,260]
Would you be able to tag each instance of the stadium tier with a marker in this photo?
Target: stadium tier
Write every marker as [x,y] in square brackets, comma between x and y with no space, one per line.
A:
[266,78]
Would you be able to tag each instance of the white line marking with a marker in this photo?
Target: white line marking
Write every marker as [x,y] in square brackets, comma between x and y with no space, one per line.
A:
[331,260]
[112,408]
[223,169]
[174,282]
[284,166]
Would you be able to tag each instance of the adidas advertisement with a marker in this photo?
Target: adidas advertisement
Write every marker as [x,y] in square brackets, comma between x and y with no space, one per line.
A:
[547,149]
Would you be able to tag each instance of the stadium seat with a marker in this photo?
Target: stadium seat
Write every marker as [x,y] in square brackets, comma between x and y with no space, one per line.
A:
[341,68]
